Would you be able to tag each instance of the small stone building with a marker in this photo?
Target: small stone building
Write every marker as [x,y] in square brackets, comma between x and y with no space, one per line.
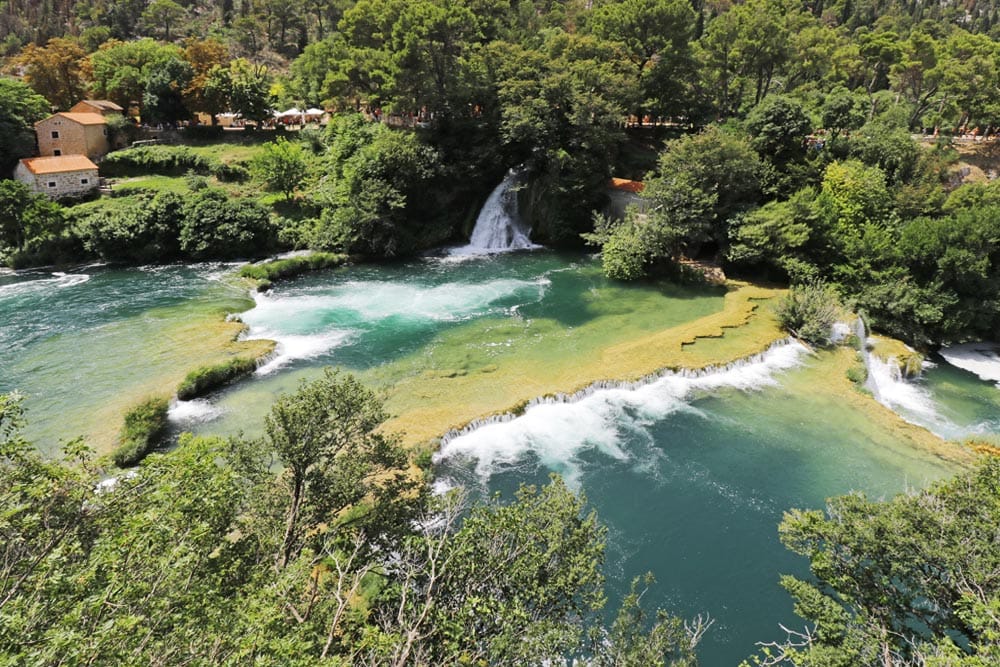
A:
[70,133]
[623,193]
[103,107]
[60,176]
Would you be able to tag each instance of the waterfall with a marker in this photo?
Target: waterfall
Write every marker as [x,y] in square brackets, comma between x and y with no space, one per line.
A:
[911,401]
[748,373]
[498,228]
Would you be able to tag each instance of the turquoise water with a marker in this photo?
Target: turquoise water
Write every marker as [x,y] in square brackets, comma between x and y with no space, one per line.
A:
[78,344]
[691,474]
[692,477]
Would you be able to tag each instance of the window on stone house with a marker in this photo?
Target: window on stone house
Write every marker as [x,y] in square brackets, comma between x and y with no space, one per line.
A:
[52,184]
[84,181]
[56,151]
[55,134]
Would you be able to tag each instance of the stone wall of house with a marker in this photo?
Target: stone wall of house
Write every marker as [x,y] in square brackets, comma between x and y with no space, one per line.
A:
[619,200]
[66,184]
[72,138]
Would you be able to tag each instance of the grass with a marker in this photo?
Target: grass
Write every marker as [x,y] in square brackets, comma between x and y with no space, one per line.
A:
[176,184]
[267,272]
[208,378]
[144,427]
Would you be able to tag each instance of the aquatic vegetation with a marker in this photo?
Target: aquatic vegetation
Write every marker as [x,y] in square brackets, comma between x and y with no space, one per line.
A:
[145,425]
[208,378]
[266,273]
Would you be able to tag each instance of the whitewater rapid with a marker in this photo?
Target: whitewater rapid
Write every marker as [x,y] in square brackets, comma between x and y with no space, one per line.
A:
[557,430]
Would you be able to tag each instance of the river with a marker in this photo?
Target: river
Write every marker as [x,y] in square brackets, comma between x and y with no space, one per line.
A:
[691,472]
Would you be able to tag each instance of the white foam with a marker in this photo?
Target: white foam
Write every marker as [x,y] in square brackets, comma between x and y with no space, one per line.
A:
[70,279]
[982,359]
[910,400]
[373,301]
[197,411]
[57,279]
[290,347]
[557,430]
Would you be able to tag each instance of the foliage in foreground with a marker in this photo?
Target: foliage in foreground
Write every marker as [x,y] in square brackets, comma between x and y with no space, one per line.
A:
[205,554]
[911,581]
[144,426]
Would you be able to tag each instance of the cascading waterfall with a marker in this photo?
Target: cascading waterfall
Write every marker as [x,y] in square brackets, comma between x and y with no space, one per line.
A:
[909,400]
[499,227]
[751,372]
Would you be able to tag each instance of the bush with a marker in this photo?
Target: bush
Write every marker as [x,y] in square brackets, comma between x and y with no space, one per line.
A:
[208,378]
[808,312]
[165,160]
[283,268]
[230,172]
[135,229]
[145,425]
[216,227]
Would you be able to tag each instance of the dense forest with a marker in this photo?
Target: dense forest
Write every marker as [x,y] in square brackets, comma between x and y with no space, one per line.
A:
[792,155]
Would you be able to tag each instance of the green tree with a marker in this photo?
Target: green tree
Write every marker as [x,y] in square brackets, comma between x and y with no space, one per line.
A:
[281,165]
[326,436]
[163,97]
[20,108]
[163,14]
[27,220]
[913,579]
[217,227]
[250,93]
[651,35]
[701,181]
[122,70]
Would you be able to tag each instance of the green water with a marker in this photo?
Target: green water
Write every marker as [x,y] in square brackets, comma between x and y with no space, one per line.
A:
[78,345]
[691,474]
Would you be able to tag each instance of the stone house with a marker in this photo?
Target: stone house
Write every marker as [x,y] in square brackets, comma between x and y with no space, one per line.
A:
[623,193]
[103,107]
[59,176]
[70,133]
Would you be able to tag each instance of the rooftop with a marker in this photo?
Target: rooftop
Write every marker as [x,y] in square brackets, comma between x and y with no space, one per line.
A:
[58,164]
[627,185]
[106,105]
[82,118]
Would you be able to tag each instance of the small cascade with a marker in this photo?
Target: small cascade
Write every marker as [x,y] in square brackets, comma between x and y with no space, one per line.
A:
[499,227]
[909,400]
[871,383]
[747,373]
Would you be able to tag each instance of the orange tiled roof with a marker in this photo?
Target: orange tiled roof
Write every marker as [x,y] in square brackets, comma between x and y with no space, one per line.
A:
[627,185]
[83,118]
[58,164]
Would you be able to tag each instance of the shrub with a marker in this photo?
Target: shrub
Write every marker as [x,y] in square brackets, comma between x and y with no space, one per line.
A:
[858,374]
[808,312]
[165,160]
[291,266]
[216,227]
[207,378]
[230,172]
[145,425]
